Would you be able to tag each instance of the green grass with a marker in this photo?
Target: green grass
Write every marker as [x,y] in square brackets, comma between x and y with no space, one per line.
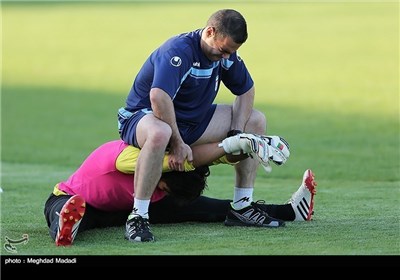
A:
[327,77]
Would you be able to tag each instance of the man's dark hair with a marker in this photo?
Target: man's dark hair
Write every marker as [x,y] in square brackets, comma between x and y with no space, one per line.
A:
[186,186]
[229,23]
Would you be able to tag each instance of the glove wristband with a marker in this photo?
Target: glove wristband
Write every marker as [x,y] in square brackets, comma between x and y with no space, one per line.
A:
[233,132]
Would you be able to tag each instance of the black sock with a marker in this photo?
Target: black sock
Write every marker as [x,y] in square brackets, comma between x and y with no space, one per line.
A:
[283,211]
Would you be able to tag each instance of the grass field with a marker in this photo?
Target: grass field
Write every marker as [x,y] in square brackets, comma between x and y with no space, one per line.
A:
[327,77]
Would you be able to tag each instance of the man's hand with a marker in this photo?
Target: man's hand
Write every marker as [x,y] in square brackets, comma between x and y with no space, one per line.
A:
[177,156]
[263,148]
[278,149]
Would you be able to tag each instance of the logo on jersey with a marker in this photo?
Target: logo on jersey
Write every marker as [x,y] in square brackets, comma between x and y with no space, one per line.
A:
[238,56]
[176,61]
[196,64]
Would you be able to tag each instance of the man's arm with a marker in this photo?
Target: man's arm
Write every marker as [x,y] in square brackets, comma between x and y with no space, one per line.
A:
[204,154]
[242,108]
[163,109]
[209,154]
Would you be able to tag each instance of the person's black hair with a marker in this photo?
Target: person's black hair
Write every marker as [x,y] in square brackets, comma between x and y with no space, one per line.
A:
[229,23]
[186,186]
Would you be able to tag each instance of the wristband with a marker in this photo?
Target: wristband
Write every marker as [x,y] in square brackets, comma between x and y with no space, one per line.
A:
[233,132]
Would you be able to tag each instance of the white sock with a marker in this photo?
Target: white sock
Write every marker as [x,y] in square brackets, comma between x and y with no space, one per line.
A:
[242,197]
[141,207]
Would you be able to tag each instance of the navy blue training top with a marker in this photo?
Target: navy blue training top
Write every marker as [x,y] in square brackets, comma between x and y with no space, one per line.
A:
[180,68]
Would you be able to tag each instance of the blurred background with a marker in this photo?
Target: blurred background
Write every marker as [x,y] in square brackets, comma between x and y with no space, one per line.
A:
[326,76]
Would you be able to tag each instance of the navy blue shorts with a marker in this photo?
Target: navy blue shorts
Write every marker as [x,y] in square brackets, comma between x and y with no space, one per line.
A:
[190,133]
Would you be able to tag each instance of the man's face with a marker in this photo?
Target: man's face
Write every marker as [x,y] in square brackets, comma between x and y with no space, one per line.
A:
[217,47]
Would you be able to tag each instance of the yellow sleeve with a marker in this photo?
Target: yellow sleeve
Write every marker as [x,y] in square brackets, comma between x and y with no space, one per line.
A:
[187,165]
[57,192]
[127,159]
[223,160]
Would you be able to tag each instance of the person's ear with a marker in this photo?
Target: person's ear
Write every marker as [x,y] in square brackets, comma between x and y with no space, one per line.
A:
[210,31]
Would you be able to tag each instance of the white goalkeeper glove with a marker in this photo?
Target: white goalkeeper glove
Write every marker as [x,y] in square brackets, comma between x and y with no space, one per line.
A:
[264,148]
[278,149]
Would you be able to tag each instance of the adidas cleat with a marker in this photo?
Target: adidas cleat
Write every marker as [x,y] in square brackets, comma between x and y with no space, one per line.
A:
[138,229]
[70,217]
[302,200]
[251,216]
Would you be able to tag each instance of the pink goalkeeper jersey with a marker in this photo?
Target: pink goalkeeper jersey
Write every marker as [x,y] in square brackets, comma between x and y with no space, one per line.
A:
[99,182]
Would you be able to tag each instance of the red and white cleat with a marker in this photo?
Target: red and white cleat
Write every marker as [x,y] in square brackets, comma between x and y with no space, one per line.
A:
[70,218]
[303,199]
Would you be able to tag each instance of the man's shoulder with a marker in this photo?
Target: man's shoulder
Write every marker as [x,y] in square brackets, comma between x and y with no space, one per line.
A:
[184,41]
[191,35]
[184,46]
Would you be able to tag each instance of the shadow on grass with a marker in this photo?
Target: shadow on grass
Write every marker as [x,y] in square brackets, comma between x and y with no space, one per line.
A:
[61,126]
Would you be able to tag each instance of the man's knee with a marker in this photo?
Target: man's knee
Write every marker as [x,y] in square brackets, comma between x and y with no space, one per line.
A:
[257,123]
[159,137]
